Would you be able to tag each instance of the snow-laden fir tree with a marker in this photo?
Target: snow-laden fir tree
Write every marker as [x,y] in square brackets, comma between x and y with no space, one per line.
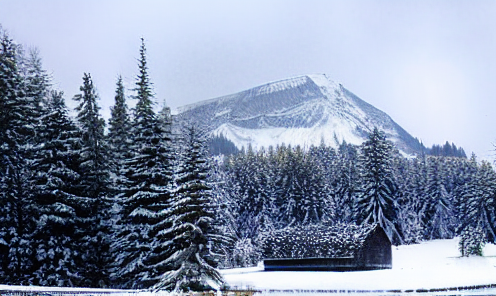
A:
[261,194]
[325,158]
[478,220]
[345,182]
[56,197]
[304,200]
[293,170]
[145,190]
[225,237]
[465,170]
[484,205]
[317,205]
[243,188]
[119,143]
[119,133]
[37,80]
[182,257]
[438,217]
[269,173]
[17,121]
[94,182]
[376,201]
[413,198]
[472,241]
[245,253]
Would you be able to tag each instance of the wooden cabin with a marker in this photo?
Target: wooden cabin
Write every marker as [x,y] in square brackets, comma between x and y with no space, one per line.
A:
[341,247]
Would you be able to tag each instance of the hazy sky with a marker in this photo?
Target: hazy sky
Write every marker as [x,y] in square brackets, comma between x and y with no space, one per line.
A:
[431,65]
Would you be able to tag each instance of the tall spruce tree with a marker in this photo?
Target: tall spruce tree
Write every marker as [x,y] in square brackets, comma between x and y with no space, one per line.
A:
[145,192]
[257,204]
[225,223]
[119,131]
[188,263]
[305,202]
[56,197]
[119,142]
[346,180]
[94,183]
[376,202]
[479,200]
[438,218]
[247,183]
[38,83]
[413,201]
[18,119]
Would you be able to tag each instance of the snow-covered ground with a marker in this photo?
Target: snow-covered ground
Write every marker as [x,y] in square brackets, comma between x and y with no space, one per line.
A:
[429,265]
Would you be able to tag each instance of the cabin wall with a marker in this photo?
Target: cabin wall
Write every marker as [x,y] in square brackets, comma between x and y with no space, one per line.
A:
[310,264]
[376,252]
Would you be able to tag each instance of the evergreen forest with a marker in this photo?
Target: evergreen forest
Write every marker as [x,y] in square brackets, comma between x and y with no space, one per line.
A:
[140,201]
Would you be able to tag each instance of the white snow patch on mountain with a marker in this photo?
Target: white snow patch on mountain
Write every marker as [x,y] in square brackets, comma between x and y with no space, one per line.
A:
[258,138]
[221,113]
[281,85]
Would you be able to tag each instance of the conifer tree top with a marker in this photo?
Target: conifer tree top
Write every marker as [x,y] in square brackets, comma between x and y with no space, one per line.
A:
[144,93]
[119,117]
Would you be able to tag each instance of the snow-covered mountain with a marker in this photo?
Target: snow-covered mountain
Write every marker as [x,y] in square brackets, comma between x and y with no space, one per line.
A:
[301,111]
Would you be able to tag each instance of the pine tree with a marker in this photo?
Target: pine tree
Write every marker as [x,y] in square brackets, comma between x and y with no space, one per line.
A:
[305,201]
[17,118]
[189,264]
[224,237]
[478,203]
[119,142]
[326,159]
[56,197]
[260,195]
[464,172]
[471,241]
[94,183]
[242,167]
[119,130]
[145,193]
[37,84]
[413,201]
[345,182]
[376,202]
[270,191]
[438,218]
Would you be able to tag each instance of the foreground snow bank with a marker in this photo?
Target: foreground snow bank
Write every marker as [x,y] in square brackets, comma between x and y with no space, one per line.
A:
[429,265]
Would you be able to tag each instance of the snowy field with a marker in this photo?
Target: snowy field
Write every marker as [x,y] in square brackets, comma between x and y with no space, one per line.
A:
[430,265]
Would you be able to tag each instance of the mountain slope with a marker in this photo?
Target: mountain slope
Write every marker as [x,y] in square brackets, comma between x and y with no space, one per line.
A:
[303,110]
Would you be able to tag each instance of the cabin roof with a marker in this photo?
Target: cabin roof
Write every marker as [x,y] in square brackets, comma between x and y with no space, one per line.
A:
[317,241]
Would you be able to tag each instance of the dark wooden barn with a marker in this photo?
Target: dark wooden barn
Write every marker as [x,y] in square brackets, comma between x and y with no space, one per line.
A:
[342,247]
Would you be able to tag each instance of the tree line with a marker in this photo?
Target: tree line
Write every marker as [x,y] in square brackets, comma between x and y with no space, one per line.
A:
[139,203]
[130,207]
[413,199]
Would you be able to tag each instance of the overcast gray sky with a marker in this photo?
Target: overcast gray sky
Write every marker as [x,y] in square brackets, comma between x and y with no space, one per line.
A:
[431,65]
